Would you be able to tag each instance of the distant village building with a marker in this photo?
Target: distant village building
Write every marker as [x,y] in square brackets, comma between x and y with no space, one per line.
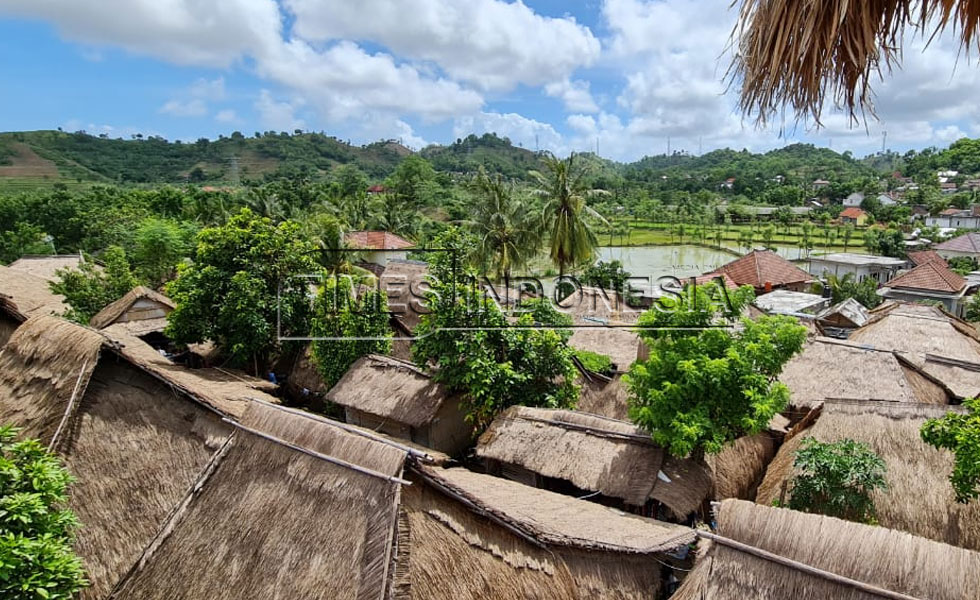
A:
[930,281]
[854,216]
[380,246]
[376,189]
[966,245]
[396,397]
[787,302]
[765,271]
[861,266]
[948,188]
[45,266]
[853,200]
[819,184]
[955,218]
[842,318]
[765,552]
[945,176]
[921,257]
[142,311]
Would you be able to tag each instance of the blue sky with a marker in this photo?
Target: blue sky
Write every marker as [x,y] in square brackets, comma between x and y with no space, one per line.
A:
[626,74]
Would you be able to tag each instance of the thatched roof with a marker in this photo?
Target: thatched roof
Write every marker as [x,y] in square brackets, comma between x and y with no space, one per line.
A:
[133,445]
[828,368]
[301,509]
[390,388]
[739,468]
[489,538]
[44,266]
[919,332]
[24,295]
[595,453]
[876,556]
[919,498]
[592,306]
[604,398]
[117,309]
[621,345]
[225,390]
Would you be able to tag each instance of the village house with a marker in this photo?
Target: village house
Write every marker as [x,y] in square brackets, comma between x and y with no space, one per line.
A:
[765,271]
[966,245]
[22,296]
[398,398]
[819,184]
[379,247]
[580,454]
[948,188]
[45,266]
[921,257]
[842,318]
[787,302]
[854,216]
[763,552]
[134,432]
[142,311]
[853,200]
[931,281]
[955,218]
[861,266]
[919,499]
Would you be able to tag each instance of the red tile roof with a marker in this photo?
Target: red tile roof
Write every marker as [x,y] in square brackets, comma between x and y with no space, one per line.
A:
[924,256]
[764,266]
[710,278]
[969,242]
[951,212]
[932,276]
[377,240]
[853,213]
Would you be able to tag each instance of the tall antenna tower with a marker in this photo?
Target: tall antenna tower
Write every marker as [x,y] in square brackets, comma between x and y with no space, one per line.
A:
[537,148]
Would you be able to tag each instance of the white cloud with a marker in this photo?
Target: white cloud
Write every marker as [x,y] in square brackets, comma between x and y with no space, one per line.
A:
[575,94]
[193,102]
[521,130]
[189,108]
[213,90]
[278,115]
[489,43]
[226,115]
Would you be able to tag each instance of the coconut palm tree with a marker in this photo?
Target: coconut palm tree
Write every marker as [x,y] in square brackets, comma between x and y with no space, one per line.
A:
[567,215]
[509,233]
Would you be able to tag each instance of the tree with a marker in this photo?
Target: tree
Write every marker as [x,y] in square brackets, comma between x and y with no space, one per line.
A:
[960,434]
[36,529]
[972,313]
[509,235]
[566,211]
[358,323]
[703,387]
[607,275]
[847,286]
[470,346]
[768,233]
[89,288]
[23,239]
[159,244]
[245,278]
[847,234]
[837,479]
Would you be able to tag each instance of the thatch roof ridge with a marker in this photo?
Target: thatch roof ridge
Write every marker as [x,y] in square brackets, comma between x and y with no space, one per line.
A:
[555,519]
[24,295]
[390,388]
[595,425]
[112,312]
[873,556]
[622,346]
[44,266]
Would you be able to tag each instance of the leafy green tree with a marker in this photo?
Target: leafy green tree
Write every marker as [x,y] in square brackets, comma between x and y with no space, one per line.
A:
[847,233]
[972,313]
[847,286]
[414,182]
[158,246]
[351,180]
[837,479]
[566,193]
[768,234]
[361,321]
[89,288]
[23,239]
[246,276]
[467,341]
[509,235]
[607,275]
[36,529]
[962,264]
[889,242]
[960,434]
[593,361]
[703,387]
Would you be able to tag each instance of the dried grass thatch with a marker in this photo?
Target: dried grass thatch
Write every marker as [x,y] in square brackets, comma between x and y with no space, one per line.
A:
[833,369]
[225,390]
[604,398]
[622,346]
[405,284]
[801,53]
[884,558]
[45,266]
[392,389]
[592,306]
[139,305]
[739,468]
[596,454]
[465,535]
[271,520]
[919,498]
[23,295]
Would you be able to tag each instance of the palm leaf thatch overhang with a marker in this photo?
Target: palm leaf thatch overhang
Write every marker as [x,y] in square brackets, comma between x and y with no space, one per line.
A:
[803,54]
[291,507]
[597,454]
[919,498]
[776,553]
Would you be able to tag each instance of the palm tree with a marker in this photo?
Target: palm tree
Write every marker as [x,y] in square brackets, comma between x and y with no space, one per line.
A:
[508,233]
[566,213]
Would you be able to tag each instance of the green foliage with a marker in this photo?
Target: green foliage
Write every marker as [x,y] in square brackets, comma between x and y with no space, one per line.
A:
[962,264]
[847,286]
[972,312]
[889,242]
[36,529]
[607,275]
[960,434]
[158,246]
[837,479]
[593,361]
[509,234]
[23,239]
[89,288]
[472,348]
[703,387]
[230,293]
[338,313]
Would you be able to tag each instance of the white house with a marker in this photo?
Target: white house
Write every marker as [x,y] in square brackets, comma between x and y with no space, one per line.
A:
[379,246]
[954,218]
[965,245]
[854,199]
[880,268]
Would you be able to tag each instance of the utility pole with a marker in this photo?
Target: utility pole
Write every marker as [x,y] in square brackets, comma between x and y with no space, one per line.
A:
[884,138]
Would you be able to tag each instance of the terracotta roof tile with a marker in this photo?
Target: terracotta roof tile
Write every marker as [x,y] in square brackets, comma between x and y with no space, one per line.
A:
[931,276]
[852,212]
[969,242]
[924,256]
[764,266]
[377,240]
